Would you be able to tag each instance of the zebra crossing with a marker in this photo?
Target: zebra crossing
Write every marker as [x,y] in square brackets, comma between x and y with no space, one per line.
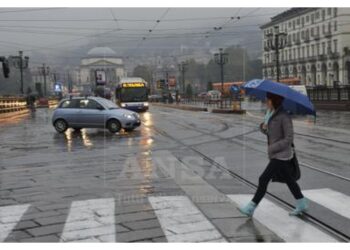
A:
[181,220]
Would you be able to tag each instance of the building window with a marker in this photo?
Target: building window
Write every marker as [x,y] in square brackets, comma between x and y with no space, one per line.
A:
[312,50]
[312,31]
[329,46]
[335,10]
[312,18]
[317,30]
[335,46]
[302,34]
[323,14]
[335,26]
[298,21]
[294,53]
[293,37]
[323,48]
[302,21]
[308,51]
[307,19]
[298,52]
[318,48]
[303,51]
[323,29]
[289,25]
[317,15]
[329,11]
[293,24]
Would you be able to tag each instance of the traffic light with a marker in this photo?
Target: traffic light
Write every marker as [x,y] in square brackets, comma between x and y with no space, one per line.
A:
[6,69]
[5,66]
[161,84]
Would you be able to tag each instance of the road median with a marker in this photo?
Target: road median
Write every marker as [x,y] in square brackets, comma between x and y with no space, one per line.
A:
[203,109]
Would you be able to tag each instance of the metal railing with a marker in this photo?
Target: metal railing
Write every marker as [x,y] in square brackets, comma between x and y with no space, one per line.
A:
[223,103]
[340,93]
[12,104]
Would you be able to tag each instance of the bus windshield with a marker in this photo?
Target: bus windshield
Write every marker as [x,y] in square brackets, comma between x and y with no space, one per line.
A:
[133,94]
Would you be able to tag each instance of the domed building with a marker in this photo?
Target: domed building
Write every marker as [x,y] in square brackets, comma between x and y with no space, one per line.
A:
[101,66]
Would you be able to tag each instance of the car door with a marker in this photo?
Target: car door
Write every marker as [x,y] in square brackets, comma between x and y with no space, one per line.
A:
[91,114]
[69,110]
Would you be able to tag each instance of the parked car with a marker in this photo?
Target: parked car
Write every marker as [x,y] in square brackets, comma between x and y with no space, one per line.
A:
[154,98]
[93,112]
[213,96]
[202,95]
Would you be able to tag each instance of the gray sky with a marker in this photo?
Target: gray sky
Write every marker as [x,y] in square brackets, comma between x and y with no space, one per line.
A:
[59,32]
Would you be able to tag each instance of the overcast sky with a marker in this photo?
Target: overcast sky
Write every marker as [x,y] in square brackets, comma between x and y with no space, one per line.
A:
[57,31]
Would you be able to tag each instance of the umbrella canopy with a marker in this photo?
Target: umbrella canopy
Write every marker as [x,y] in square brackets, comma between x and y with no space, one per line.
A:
[294,102]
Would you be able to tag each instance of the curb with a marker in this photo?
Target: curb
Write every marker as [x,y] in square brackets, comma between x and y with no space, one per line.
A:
[13,114]
[190,108]
[227,111]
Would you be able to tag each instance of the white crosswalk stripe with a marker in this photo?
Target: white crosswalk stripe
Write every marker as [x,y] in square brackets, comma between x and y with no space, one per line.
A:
[333,200]
[9,217]
[277,219]
[89,219]
[181,221]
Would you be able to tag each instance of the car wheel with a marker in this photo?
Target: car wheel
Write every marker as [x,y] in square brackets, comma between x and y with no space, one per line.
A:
[114,126]
[60,125]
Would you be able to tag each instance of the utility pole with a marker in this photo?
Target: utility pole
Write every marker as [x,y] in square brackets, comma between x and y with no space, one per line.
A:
[44,70]
[183,69]
[276,41]
[221,60]
[21,65]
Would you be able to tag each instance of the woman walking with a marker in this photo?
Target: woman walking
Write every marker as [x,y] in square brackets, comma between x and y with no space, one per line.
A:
[278,127]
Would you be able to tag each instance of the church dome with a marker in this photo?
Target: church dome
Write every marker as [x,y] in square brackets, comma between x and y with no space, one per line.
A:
[101,52]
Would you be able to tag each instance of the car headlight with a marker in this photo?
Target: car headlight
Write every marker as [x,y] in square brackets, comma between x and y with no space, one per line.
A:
[123,105]
[145,104]
[128,116]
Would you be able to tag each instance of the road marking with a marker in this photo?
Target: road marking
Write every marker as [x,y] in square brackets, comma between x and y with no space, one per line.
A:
[333,200]
[89,219]
[277,219]
[181,221]
[9,217]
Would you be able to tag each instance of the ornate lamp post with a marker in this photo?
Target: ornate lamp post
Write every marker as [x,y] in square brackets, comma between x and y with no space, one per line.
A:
[221,60]
[44,70]
[21,64]
[276,41]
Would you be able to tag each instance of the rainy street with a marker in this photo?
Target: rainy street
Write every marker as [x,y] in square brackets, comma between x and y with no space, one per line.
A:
[180,176]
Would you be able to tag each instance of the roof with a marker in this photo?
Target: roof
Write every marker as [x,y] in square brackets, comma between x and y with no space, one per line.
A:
[101,52]
[288,14]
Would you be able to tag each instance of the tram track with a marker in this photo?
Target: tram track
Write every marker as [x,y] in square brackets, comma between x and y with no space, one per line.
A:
[306,216]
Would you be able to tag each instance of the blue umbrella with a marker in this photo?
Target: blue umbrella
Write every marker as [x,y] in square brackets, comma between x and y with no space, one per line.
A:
[294,102]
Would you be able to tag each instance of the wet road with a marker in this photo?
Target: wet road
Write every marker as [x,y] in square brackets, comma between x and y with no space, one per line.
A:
[175,153]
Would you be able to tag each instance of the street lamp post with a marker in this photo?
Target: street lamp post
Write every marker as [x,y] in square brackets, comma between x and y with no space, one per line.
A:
[21,64]
[276,41]
[44,70]
[183,68]
[221,60]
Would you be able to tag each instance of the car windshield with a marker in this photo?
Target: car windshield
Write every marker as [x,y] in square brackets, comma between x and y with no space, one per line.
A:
[133,94]
[108,104]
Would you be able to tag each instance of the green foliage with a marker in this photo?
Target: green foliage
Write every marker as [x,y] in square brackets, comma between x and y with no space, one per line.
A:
[189,90]
[144,72]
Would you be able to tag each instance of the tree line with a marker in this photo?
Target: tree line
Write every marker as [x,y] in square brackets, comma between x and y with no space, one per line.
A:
[200,76]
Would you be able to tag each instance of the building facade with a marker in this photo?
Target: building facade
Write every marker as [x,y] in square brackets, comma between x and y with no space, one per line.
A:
[101,59]
[317,50]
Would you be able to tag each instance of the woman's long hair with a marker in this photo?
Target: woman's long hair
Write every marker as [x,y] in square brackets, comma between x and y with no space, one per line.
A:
[275,99]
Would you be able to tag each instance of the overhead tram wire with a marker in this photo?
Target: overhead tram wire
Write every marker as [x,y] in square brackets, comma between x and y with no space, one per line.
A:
[30,10]
[154,26]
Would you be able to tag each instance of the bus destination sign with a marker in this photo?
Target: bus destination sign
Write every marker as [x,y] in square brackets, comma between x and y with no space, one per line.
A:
[133,85]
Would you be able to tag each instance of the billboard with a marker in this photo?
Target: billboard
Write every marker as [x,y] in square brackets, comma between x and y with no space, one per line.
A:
[172,81]
[100,76]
